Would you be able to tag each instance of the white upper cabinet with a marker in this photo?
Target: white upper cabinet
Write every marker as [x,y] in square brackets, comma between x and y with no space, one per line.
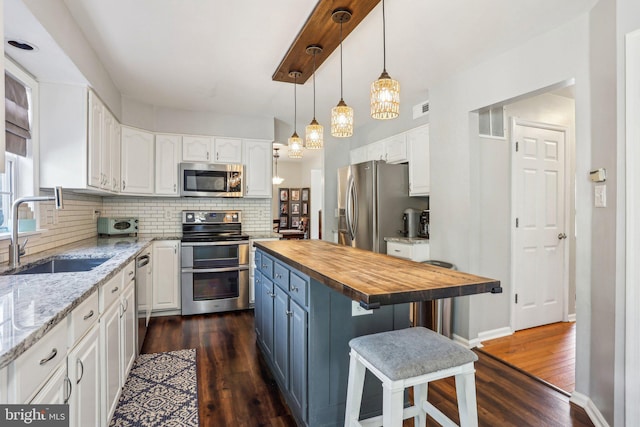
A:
[358,155]
[196,149]
[168,149]
[137,161]
[257,168]
[375,150]
[227,150]
[79,142]
[419,179]
[395,148]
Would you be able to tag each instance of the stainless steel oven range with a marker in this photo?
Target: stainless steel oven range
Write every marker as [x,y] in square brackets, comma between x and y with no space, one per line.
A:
[214,262]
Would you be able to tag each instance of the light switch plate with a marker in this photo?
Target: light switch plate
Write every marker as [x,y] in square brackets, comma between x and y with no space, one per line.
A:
[357,310]
[600,196]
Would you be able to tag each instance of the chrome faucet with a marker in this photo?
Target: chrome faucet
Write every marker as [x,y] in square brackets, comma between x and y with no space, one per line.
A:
[15,250]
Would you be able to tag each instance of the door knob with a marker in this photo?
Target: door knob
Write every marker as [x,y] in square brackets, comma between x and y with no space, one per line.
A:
[562,236]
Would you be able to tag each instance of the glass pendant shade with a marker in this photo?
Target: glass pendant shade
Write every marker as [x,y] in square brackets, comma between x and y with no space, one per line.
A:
[314,135]
[385,92]
[385,98]
[277,179]
[341,120]
[295,147]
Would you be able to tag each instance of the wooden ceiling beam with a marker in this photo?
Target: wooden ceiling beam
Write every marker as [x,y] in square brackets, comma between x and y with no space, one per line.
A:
[320,29]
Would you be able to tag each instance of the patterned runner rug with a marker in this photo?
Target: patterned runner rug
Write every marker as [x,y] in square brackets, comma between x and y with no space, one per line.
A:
[161,390]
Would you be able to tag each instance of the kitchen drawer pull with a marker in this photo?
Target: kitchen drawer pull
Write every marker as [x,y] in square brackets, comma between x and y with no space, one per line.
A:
[79,362]
[131,273]
[126,306]
[263,266]
[114,290]
[271,294]
[396,250]
[66,399]
[293,288]
[289,313]
[52,355]
[278,276]
[88,315]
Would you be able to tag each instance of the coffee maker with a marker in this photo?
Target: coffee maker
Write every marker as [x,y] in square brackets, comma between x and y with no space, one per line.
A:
[410,222]
[423,229]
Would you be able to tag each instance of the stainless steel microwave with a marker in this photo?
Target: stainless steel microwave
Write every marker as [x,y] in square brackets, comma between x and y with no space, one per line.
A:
[211,180]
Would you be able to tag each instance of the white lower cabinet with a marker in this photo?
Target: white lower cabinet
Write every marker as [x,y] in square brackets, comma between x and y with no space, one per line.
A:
[110,361]
[83,366]
[166,275]
[4,398]
[418,252]
[55,390]
[128,325]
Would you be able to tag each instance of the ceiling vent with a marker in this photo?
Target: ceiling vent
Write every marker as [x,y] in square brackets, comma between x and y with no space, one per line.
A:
[421,109]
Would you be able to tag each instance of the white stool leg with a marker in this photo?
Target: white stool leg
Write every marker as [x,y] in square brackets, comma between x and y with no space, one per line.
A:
[420,396]
[466,392]
[392,405]
[355,387]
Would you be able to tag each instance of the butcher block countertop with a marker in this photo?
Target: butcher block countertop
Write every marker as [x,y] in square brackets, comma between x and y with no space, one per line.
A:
[375,279]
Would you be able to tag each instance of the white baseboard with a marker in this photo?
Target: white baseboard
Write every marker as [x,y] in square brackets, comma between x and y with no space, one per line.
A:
[465,342]
[571,317]
[590,408]
[483,336]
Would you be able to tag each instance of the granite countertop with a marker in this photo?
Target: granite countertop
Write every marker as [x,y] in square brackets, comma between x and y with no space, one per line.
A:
[267,235]
[32,304]
[408,240]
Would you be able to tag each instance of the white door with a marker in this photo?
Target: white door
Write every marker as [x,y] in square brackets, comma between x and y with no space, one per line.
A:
[539,233]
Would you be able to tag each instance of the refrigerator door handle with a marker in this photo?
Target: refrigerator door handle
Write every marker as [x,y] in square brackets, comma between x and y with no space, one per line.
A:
[354,212]
[349,208]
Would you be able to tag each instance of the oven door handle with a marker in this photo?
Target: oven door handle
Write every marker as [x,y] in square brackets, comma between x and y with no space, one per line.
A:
[223,243]
[214,270]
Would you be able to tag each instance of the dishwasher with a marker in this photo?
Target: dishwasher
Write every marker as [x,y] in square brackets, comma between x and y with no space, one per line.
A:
[144,294]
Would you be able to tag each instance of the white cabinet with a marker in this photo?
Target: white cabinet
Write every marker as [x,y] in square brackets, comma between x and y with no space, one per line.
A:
[4,398]
[375,150]
[55,390]
[412,251]
[110,346]
[128,328]
[257,168]
[227,150]
[419,178]
[168,149]
[137,161]
[166,275]
[196,149]
[103,146]
[84,375]
[395,148]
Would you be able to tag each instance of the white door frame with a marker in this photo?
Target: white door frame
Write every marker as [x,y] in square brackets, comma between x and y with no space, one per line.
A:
[632,280]
[567,212]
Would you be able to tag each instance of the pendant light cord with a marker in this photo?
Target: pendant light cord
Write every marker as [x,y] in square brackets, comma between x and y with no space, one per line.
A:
[384,42]
[295,105]
[341,60]
[314,85]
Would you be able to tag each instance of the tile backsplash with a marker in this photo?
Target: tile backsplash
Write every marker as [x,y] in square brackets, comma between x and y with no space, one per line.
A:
[163,215]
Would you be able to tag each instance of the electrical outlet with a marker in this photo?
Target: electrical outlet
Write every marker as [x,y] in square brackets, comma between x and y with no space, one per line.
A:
[600,199]
[168,214]
[95,214]
[357,310]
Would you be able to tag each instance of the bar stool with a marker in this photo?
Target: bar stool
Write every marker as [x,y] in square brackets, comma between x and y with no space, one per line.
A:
[410,358]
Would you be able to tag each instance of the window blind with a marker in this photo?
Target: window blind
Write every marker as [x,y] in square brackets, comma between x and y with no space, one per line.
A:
[16,104]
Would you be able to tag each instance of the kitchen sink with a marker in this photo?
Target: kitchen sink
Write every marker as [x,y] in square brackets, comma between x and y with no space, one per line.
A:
[63,265]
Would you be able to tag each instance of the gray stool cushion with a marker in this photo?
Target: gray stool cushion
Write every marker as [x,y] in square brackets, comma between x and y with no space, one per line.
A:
[411,352]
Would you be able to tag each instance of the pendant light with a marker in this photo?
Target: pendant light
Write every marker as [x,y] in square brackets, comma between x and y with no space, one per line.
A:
[341,114]
[277,179]
[295,142]
[385,92]
[314,132]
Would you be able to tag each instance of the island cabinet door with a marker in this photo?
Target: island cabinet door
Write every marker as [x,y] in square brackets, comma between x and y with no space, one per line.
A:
[298,358]
[281,335]
[257,307]
[267,317]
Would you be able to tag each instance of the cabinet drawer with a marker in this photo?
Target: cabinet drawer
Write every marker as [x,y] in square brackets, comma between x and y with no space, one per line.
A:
[34,366]
[110,291]
[266,265]
[399,250]
[82,317]
[299,288]
[281,275]
[129,272]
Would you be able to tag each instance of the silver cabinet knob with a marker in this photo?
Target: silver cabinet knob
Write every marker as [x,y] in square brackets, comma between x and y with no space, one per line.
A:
[562,236]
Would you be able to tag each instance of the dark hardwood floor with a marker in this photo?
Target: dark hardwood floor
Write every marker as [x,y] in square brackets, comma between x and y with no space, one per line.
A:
[235,387]
[547,352]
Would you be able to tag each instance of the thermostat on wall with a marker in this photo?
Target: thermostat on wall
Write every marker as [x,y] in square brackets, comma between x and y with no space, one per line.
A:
[598,175]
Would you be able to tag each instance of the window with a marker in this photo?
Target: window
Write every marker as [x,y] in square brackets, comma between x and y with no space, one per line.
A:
[491,122]
[20,175]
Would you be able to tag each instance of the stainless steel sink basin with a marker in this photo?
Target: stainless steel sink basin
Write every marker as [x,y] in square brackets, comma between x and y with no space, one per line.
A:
[63,265]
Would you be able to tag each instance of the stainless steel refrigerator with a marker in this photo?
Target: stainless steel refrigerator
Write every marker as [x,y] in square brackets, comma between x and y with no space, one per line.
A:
[372,197]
